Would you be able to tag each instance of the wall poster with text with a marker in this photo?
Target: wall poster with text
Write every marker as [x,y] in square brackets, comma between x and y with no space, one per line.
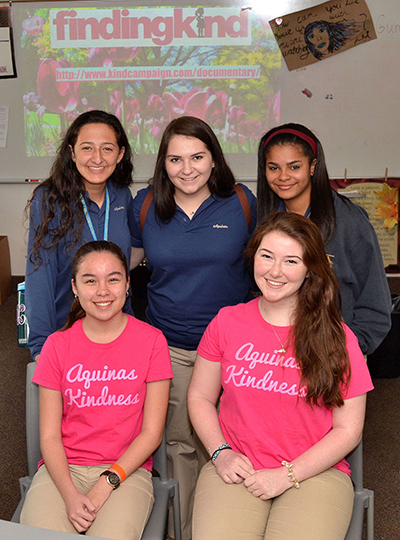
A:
[148,66]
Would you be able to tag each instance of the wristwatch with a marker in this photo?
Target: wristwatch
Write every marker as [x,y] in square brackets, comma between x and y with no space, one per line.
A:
[112,478]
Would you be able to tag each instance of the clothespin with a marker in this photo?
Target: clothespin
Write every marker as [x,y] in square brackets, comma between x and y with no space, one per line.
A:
[345,176]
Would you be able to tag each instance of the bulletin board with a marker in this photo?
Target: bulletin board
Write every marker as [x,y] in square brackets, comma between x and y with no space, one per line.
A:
[380,198]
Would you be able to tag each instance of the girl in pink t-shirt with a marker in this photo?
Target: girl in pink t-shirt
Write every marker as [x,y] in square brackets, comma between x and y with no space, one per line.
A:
[103,387]
[294,391]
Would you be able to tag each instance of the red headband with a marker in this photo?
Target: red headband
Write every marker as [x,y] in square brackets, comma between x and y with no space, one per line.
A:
[299,134]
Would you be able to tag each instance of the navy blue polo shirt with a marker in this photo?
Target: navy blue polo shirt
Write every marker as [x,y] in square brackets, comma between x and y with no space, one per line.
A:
[197,265]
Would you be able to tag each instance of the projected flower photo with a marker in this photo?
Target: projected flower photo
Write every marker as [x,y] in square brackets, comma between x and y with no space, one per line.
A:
[219,64]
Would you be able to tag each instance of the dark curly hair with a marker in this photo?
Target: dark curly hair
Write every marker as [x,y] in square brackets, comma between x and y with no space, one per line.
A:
[63,188]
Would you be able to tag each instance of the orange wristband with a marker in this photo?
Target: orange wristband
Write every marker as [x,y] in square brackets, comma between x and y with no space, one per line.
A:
[119,470]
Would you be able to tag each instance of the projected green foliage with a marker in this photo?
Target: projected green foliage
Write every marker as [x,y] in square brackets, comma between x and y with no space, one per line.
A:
[239,110]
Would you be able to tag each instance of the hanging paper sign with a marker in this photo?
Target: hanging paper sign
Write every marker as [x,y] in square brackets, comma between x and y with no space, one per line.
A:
[316,33]
[7,62]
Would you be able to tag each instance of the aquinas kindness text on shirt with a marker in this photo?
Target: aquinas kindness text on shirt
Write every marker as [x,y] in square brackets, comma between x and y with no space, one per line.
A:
[79,397]
[271,380]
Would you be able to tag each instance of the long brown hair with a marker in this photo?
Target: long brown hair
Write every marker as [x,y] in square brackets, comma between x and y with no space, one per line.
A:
[319,337]
[100,246]
[221,181]
[65,185]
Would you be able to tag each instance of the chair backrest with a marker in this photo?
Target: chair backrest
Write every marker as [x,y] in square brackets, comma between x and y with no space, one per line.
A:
[32,421]
[160,460]
[355,460]
[363,498]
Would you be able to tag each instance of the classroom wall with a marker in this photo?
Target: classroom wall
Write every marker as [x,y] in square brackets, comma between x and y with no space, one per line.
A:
[13,198]
[358,128]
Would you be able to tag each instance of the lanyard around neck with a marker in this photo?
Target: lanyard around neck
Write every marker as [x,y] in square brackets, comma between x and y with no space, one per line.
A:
[89,219]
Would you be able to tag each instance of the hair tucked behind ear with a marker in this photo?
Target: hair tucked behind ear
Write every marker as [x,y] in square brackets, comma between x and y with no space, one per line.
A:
[100,246]
[319,337]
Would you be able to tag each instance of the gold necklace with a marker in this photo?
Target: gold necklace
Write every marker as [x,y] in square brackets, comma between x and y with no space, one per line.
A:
[283,345]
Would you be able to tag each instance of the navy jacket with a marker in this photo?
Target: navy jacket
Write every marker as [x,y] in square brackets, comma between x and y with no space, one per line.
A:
[48,295]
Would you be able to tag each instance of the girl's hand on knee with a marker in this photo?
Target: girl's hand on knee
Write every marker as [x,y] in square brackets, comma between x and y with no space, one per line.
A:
[233,467]
[80,511]
[268,483]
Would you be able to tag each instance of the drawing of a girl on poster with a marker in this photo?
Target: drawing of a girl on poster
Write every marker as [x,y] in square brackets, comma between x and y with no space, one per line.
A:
[323,38]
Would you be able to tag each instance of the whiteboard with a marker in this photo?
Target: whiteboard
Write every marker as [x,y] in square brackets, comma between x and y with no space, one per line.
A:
[359,128]
[358,125]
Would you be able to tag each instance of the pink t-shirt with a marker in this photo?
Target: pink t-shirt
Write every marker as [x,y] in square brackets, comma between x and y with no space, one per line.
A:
[261,413]
[103,386]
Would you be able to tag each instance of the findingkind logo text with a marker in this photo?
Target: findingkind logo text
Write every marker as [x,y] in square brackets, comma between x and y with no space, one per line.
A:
[149,27]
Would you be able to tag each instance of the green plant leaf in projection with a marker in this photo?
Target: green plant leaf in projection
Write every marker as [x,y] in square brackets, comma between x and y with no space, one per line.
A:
[120,97]
[265,54]
[44,50]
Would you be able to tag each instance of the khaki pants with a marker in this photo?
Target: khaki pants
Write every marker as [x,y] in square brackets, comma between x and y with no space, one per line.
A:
[186,454]
[320,510]
[123,516]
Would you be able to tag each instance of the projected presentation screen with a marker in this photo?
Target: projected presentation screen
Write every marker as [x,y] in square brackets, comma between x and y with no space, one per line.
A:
[148,65]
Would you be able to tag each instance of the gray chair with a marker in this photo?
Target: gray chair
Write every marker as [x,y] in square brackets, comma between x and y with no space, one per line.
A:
[363,498]
[165,488]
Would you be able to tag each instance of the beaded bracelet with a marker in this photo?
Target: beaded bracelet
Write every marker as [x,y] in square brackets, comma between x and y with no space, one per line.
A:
[217,452]
[291,475]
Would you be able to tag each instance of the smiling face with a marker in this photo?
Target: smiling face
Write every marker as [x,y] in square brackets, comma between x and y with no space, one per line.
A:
[288,174]
[319,37]
[101,285]
[189,165]
[96,154]
[279,270]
